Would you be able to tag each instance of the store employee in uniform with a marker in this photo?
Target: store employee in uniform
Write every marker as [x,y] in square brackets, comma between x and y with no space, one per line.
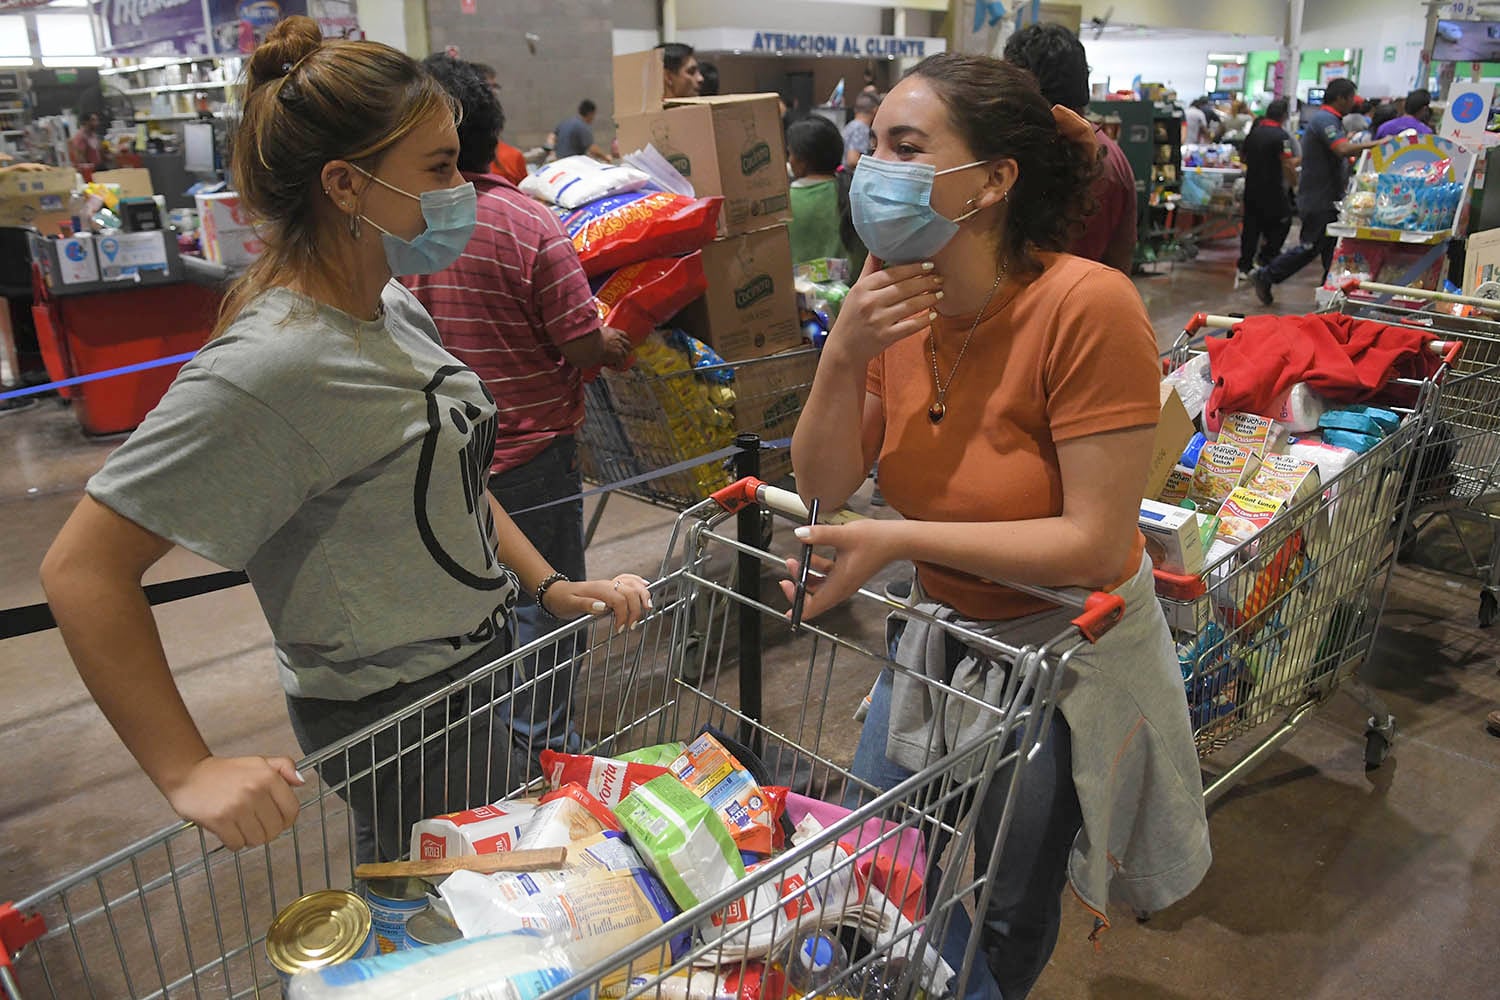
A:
[1325,172]
[325,442]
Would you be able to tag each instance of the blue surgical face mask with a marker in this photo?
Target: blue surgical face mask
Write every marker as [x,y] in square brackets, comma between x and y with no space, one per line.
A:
[891,202]
[450,214]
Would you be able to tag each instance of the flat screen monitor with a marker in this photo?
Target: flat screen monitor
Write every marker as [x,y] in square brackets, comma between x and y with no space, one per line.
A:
[1467,41]
[1315,95]
[198,148]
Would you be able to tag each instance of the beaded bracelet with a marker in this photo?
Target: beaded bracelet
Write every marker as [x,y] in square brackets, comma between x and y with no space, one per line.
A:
[545,585]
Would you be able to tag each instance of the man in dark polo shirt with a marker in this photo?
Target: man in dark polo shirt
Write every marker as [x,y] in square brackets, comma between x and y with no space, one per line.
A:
[1270,173]
[1325,164]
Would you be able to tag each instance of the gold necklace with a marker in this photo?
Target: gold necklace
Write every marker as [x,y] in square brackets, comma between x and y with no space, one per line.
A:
[937,410]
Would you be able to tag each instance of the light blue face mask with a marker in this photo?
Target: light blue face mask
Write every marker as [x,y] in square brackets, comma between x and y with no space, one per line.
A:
[891,203]
[450,214]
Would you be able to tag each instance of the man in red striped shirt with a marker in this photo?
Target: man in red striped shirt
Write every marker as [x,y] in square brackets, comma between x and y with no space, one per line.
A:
[516,307]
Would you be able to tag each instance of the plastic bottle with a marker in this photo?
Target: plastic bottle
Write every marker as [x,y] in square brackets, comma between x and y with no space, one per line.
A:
[815,961]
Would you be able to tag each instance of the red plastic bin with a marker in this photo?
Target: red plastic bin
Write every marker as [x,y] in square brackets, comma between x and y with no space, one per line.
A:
[84,334]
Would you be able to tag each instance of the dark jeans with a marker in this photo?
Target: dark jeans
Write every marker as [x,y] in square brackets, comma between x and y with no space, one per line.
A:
[447,759]
[1263,233]
[1312,242]
[1021,921]
[540,716]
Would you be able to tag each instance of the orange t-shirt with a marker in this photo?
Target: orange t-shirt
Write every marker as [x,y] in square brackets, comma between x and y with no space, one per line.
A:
[1070,354]
[509,163]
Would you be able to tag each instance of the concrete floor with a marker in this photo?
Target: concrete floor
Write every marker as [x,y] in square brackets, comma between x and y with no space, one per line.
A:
[1328,881]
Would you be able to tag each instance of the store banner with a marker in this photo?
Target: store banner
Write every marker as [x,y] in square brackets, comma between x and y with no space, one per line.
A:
[175,27]
[1232,77]
[748,41]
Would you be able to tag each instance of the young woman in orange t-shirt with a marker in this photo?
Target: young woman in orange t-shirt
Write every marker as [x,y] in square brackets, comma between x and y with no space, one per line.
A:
[1010,393]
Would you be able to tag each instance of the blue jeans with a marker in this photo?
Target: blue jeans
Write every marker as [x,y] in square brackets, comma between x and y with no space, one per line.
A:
[1021,921]
[539,716]
[1313,243]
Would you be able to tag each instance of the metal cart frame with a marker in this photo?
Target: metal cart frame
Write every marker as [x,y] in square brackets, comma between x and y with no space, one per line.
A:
[175,915]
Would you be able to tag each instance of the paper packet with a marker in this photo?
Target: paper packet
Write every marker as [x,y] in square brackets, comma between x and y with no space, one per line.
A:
[682,838]
[566,815]
[605,778]
[714,775]
[485,830]
[1245,513]
[1285,477]
[1221,468]
[1256,434]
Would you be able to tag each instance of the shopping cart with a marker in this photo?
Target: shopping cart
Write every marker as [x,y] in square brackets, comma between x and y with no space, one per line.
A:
[174,915]
[1272,629]
[665,428]
[1458,465]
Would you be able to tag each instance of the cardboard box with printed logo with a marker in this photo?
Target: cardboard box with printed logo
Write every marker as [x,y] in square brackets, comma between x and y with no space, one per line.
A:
[37,198]
[769,394]
[750,308]
[728,146]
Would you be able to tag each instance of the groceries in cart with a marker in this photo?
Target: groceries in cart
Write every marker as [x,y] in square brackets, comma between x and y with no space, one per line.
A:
[645,838]
[625,229]
[574,181]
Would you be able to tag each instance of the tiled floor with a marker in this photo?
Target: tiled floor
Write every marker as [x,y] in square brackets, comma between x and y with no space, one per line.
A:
[1328,881]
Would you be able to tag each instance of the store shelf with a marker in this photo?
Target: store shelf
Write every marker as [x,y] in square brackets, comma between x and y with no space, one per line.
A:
[1226,171]
[1379,235]
[163,64]
[175,88]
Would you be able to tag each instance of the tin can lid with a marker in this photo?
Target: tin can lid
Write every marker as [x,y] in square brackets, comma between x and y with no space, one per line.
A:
[321,928]
[398,889]
[431,927]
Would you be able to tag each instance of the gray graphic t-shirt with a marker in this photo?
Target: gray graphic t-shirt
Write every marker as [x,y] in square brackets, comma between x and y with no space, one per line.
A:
[342,464]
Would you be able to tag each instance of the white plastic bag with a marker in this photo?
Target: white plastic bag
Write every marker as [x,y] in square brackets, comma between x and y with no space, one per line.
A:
[577,180]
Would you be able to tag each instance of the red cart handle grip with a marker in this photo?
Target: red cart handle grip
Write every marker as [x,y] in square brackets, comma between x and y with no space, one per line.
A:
[1101,612]
[738,495]
[17,930]
[1349,285]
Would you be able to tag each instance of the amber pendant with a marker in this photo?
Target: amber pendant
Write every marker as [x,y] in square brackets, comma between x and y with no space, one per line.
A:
[935,412]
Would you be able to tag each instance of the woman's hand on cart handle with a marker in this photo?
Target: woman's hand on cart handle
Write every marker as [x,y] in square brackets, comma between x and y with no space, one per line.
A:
[627,597]
[863,549]
[244,801]
[885,306]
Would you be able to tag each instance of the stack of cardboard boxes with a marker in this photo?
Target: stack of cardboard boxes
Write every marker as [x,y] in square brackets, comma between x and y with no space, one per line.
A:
[732,147]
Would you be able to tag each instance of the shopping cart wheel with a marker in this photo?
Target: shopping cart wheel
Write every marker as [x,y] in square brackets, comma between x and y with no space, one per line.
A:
[1487,608]
[1378,740]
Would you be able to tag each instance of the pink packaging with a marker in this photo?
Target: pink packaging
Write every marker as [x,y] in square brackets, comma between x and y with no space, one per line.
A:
[486,830]
[896,865]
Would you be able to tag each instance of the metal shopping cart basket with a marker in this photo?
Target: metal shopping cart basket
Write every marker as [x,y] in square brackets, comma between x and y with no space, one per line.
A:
[1458,463]
[1271,629]
[176,916]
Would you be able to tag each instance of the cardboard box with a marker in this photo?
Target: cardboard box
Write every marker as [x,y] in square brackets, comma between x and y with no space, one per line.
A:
[1174,429]
[769,395]
[750,308]
[37,198]
[1482,263]
[225,231]
[134,182]
[727,146]
[1172,537]
[639,82]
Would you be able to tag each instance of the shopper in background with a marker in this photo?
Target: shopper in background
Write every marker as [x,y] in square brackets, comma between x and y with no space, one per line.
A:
[85,148]
[326,443]
[681,75]
[1239,120]
[857,131]
[1270,174]
[1325,164]
[1196,125]
[814,151]
[508,161]
[1416,118]
[1055,56]
[517,309]
[1010,392]
[710,85]
[575,137]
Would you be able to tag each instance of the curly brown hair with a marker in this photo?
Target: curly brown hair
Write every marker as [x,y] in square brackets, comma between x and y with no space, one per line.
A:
[999,110]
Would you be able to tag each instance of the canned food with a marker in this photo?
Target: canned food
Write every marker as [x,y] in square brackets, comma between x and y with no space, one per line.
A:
[392,901]
[430,927]
[320,929]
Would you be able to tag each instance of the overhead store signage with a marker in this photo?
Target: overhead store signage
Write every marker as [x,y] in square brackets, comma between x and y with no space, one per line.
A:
[793,43]
[176,27]
[1468,113]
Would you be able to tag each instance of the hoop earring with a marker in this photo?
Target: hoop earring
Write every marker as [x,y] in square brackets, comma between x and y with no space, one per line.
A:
[354,227]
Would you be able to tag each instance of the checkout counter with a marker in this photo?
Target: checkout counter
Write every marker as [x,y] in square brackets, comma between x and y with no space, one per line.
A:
[106,302]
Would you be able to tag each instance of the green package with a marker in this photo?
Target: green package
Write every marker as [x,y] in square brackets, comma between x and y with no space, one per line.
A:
[682,839]
[660,755]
